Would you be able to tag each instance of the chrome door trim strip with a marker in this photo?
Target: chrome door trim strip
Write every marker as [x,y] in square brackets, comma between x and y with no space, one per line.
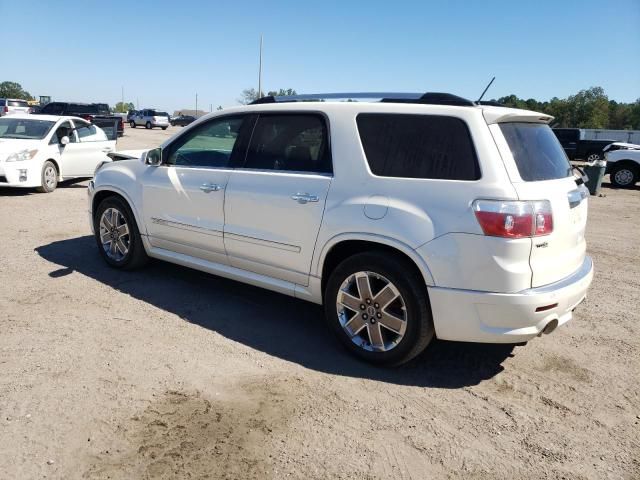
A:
[261,242]
[186,226]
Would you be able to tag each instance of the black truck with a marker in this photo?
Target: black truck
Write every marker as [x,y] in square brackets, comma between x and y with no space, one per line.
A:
[97,113]
[576,148]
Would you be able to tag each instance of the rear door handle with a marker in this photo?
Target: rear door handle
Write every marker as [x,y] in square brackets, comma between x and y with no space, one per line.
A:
[304,198]
[210,187]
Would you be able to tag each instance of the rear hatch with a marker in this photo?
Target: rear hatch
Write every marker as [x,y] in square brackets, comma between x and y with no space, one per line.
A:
[540,170]
[161,118]
[17,106]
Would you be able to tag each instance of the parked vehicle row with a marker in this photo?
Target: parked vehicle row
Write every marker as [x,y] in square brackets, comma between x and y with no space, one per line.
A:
[416,217]
[89,111]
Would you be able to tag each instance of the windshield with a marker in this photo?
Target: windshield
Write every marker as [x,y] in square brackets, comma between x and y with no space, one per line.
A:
[23,128]
[536,151]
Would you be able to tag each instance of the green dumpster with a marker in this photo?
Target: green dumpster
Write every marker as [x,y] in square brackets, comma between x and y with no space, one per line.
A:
[595,172]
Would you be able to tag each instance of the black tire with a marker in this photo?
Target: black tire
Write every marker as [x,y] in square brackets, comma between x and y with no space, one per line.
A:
[132,124]
[164,128]
[624,176]
[594,156]
[136,255]
[48,183]
[402,274]
[148,125]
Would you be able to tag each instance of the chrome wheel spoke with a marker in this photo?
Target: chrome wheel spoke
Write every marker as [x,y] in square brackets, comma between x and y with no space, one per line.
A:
[355,325]
[122,248]
[114,217]
[105,237]
[375,335]
[112,248]
[349,301]
[123,230]
[385,296]
[105,222]
[364,287]
[391,322]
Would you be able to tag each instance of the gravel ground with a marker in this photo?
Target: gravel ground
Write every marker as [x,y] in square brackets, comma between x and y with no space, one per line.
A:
[171,373]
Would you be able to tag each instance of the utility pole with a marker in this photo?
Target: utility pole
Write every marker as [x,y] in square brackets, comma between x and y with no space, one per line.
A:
[210,107]
[196,114]
[122,97]
[260,71]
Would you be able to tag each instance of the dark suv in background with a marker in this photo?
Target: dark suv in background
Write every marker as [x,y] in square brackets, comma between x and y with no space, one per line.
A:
[88,111]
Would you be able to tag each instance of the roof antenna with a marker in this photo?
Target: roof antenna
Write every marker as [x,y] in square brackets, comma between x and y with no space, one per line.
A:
[485,90]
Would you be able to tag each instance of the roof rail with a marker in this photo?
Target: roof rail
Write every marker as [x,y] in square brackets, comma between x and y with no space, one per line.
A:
[429,98]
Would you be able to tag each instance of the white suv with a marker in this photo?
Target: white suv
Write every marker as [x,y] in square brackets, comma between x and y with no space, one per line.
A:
[411,217]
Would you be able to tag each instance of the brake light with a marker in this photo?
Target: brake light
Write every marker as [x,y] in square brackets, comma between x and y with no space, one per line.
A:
[6,109]
[514,219]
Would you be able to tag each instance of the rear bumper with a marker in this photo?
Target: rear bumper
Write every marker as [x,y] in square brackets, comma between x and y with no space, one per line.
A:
[473,316]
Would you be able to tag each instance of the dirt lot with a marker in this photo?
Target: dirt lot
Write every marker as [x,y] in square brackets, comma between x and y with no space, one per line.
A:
[170,373]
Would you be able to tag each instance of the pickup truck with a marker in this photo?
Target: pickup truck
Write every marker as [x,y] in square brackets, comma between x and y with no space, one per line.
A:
[577,148]
[89,111]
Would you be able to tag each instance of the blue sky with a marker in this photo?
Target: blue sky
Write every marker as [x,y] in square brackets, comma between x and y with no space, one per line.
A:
[164,52]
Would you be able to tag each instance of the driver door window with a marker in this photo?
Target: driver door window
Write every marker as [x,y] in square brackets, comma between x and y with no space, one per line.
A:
[208,145]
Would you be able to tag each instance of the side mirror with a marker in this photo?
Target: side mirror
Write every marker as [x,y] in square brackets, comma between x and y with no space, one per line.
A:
[154,157]
[64,140]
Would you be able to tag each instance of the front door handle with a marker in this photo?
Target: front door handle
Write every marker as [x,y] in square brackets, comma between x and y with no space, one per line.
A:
[304,198]
[210,187]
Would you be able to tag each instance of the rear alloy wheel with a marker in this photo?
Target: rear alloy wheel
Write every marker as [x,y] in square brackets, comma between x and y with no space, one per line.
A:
[624,176]
[594,156]
[148,125]
[164,128]
[378,308]
[49,179]
[132,124]
[117,235]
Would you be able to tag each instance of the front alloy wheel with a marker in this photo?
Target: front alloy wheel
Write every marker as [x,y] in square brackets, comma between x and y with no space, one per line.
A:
[117,234]
[114,234]
[371,311]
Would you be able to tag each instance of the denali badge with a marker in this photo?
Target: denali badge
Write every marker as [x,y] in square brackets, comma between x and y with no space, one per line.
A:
[542,245]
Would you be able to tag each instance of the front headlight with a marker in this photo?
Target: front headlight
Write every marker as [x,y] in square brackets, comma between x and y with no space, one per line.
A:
[22,155]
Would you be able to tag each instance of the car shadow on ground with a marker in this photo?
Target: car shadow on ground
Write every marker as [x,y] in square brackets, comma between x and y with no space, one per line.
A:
[276,324]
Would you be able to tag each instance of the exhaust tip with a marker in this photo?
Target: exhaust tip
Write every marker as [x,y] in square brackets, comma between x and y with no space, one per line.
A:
[550,327]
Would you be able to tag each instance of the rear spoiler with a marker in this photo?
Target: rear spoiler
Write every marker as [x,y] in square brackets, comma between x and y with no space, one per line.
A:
[503,114]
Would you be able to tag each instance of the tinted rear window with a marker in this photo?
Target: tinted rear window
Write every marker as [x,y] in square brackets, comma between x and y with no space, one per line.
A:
[160,114]
[418,146]
[17,103]
[536,151]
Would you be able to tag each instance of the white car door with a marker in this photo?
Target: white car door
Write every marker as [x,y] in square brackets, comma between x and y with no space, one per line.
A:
[184,197]
[275,202]
[88,146]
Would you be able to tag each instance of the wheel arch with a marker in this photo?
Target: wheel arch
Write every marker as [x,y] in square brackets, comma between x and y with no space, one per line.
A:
[111,191]
[345,245]
[55,164]
[626,163]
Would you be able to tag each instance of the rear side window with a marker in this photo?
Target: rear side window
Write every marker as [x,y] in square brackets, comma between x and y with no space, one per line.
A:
[418,146]
[536,151]
[293,142]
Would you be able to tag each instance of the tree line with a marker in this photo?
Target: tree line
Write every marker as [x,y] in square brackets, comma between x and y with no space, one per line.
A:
[590,108]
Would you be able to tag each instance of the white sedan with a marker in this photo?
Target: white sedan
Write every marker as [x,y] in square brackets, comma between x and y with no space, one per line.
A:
[41,150]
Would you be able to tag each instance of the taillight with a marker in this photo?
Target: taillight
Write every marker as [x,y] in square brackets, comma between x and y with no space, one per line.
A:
[6,109]
[514,219]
